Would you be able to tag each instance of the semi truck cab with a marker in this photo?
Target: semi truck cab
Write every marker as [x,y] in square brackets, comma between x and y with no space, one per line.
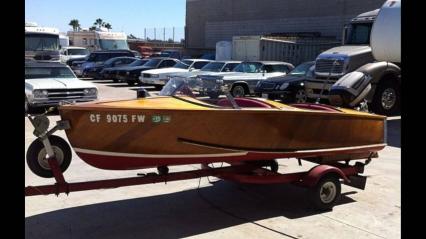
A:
[356,54]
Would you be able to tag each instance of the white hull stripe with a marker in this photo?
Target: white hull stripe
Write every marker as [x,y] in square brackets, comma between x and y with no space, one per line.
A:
[106,153]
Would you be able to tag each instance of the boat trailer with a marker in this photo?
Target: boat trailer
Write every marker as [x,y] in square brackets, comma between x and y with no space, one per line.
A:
[323,180]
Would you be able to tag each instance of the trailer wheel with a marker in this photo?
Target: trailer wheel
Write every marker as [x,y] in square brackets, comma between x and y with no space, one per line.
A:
[36,156]
[325,193]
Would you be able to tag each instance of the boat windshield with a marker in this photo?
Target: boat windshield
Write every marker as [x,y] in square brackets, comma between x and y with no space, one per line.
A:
[191,87]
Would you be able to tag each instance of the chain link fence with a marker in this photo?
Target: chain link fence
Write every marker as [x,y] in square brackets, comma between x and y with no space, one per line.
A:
[164,34]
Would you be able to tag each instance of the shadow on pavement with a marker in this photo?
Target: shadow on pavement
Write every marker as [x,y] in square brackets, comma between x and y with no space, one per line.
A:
[175,215]
[394,132]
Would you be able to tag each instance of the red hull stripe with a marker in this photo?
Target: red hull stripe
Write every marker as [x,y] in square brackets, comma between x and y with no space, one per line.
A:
[125,161]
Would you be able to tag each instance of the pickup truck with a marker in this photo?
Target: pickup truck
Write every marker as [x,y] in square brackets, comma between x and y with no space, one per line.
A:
[49,84]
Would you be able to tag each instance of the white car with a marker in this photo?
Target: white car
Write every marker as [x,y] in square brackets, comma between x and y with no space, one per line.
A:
[244,78]
[210,68]
[159,77]
[50,84]
[72,52]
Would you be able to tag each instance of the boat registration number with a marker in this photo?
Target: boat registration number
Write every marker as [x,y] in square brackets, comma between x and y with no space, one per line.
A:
[124,118]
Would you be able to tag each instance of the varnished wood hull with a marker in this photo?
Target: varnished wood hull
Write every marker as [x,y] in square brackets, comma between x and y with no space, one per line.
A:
[150,137]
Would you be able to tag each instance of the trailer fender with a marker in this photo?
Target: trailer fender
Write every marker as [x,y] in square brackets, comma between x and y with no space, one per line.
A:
[319,171]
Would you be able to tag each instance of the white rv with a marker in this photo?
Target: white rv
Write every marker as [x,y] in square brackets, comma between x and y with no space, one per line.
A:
[98,40]
[64,40]
[41,43]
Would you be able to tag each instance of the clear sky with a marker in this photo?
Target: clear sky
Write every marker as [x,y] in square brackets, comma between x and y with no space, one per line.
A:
[129,16]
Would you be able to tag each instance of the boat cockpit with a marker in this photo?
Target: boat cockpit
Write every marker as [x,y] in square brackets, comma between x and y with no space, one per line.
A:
[206,92]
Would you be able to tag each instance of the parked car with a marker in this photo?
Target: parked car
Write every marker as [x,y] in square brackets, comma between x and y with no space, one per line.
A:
[171,54]
[209,56]
[247,74]
[211,67]
[130,74]
[97,58]
[289,88]
[48,84]
[94,71]
[72,52]
[111,72]
[158,77]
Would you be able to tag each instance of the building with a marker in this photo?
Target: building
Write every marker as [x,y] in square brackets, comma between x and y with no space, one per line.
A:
[210,21]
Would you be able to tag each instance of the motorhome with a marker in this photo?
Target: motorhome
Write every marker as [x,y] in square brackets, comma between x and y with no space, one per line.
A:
[64,40]
[100,39]
[41,43]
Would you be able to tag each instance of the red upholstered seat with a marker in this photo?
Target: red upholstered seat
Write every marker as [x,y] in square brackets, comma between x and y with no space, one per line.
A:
[315,107]
[244,102]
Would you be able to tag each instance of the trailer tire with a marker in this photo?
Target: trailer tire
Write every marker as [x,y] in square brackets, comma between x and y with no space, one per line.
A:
[387,98]
[36,156]
[325,193]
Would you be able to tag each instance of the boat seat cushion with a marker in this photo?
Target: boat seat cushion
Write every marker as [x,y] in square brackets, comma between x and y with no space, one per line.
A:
[243,102]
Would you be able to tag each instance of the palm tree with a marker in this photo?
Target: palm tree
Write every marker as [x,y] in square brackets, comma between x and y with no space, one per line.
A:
[108,26]
[98,22]
[75,24]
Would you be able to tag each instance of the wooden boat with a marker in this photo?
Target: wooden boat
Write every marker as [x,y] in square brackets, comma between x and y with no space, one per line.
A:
[178,129]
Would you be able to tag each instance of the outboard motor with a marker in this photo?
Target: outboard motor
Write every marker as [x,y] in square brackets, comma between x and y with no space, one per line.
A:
[350,91]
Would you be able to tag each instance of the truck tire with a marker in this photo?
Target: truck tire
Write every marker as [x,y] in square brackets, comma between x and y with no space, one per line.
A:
[387,98]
